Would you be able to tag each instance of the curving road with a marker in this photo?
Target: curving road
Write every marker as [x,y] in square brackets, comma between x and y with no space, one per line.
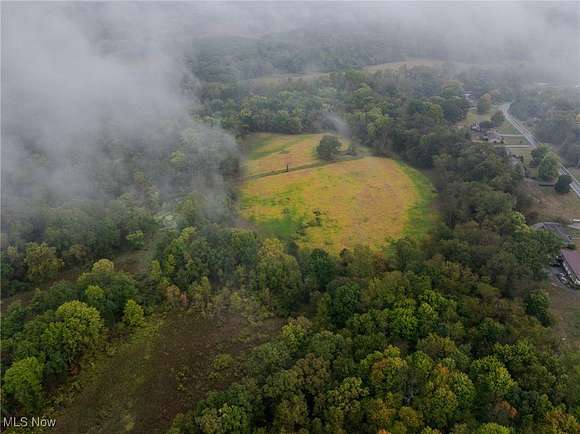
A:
[575,185]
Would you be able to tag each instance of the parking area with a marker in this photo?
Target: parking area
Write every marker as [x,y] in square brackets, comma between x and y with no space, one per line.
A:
[558,277]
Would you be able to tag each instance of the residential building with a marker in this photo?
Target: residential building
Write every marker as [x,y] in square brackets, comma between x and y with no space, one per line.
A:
[571,264]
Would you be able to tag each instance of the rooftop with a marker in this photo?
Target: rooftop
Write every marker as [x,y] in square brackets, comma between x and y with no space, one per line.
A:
[572,257]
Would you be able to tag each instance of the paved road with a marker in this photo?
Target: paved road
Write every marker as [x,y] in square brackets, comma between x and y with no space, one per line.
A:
[575,185]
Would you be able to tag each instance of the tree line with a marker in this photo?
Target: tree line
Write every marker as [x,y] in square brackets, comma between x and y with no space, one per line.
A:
[447,334]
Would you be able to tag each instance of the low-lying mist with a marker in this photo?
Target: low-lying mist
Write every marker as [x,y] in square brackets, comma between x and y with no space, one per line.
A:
[77,76]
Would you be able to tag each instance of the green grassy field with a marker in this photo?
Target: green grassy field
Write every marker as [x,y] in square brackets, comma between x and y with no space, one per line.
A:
[515,141]
[473,116]
[551,205]
[267,152]
[422,215]
[338,205]
[507,128]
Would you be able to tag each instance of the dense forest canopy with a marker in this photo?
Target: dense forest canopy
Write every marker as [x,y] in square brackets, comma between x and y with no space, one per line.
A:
[123,133]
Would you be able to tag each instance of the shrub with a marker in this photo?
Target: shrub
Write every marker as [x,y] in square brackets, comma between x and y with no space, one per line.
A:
[133,314]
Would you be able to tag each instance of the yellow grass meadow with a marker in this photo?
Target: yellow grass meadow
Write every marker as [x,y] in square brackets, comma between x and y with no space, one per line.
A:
[339,205]
[270,152]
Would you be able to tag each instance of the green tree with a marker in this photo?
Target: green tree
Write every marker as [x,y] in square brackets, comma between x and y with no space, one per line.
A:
[548,168]
[484,103]
[439,405]
[155,273]
[41,261]
[278,274]
[136,239]
[321,269]
[492,379]
[78,329]
[344,302]
[95,297]
[493,428]
[118,287]
[389,372]
[133,315]
[190,210]
[538,154]
[23,381]
[563,184]
[291,414]
[228,419]
[498,118]
[538,304]
[404,323]
[328,147]
[103,266]
[200,293]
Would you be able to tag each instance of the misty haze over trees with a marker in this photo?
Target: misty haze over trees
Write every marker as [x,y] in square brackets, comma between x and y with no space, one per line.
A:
[126,133]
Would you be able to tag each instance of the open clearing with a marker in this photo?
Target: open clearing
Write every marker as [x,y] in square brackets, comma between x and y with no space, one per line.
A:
[411,62]
[553,206]
[565,306]
[270,152]
[393,66]
[164,369]
[504,128]
[364,201]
